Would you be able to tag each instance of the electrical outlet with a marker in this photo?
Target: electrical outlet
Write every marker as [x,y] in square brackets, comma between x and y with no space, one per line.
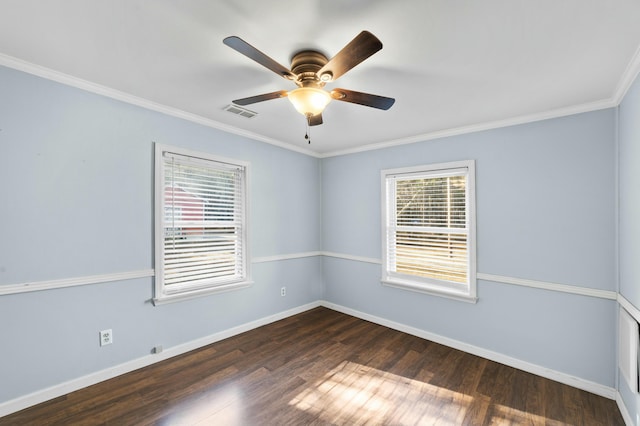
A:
[106,337]
[283,291]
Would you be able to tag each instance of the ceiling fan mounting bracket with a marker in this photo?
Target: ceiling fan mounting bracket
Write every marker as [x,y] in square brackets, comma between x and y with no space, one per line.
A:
[307,61]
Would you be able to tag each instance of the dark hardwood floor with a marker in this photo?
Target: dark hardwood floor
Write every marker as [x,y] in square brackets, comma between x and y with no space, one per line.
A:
[322,367]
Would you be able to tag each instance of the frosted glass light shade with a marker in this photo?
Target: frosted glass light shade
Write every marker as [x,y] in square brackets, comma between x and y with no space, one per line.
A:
[309,100]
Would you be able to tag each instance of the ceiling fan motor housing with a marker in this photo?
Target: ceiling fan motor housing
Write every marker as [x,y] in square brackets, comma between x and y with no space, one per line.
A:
[305,65]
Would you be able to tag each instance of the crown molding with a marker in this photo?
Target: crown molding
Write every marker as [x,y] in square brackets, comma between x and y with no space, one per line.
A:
[456,131]
[69,80]
[628,77]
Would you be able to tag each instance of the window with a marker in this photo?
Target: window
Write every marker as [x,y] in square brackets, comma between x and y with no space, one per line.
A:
[201,224]
[429,229]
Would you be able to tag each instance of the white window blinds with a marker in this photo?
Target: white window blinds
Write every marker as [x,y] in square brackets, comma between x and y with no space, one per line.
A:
[427,227]
[202,232]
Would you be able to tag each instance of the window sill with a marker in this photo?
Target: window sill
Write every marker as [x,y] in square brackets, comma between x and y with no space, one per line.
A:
[431,290]
[186,295]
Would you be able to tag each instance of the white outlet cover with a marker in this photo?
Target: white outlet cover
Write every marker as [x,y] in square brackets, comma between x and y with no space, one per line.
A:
[106,337]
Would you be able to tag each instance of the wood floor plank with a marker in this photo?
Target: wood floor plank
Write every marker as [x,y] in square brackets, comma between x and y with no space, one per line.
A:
[323,367]
[477,411]
[408,365]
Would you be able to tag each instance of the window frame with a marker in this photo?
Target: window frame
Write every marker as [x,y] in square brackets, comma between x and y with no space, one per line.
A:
[465,292]
[162,294]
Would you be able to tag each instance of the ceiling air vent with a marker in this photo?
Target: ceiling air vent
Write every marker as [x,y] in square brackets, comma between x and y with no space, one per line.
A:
[238,110]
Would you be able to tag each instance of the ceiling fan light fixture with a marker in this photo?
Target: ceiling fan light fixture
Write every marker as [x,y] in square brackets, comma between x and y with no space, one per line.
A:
[309,101]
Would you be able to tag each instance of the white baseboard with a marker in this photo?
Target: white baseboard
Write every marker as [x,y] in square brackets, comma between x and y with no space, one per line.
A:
[38,397]
[628,420]
[55,391]
[567,379]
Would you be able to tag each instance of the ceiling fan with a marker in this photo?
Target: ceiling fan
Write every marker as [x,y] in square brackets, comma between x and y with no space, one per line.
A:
[310,71]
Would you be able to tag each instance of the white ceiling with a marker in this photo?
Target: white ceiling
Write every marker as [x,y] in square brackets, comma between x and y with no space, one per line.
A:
[451,65]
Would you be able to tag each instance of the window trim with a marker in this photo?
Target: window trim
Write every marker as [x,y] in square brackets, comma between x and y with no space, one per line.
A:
[161,295]
[425,285]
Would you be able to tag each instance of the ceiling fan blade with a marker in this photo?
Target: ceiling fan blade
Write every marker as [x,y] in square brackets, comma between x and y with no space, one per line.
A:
[366,99]
[251,52]
[360,48]
[315,120]
[260,98]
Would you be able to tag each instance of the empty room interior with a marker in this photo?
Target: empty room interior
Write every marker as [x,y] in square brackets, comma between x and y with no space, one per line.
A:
[337,212]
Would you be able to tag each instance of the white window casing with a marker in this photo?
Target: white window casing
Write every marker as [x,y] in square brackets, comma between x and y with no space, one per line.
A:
[428,229]
[201,226]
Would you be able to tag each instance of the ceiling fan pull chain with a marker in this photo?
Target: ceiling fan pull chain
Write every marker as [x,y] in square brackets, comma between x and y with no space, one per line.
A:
[307,135]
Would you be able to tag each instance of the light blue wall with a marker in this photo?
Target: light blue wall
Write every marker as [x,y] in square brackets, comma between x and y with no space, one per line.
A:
[545,211]
[629,184]
[629,214]
[77,173]
[77,201]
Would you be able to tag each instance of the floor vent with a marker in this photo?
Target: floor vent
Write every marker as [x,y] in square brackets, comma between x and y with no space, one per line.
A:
[238,110]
